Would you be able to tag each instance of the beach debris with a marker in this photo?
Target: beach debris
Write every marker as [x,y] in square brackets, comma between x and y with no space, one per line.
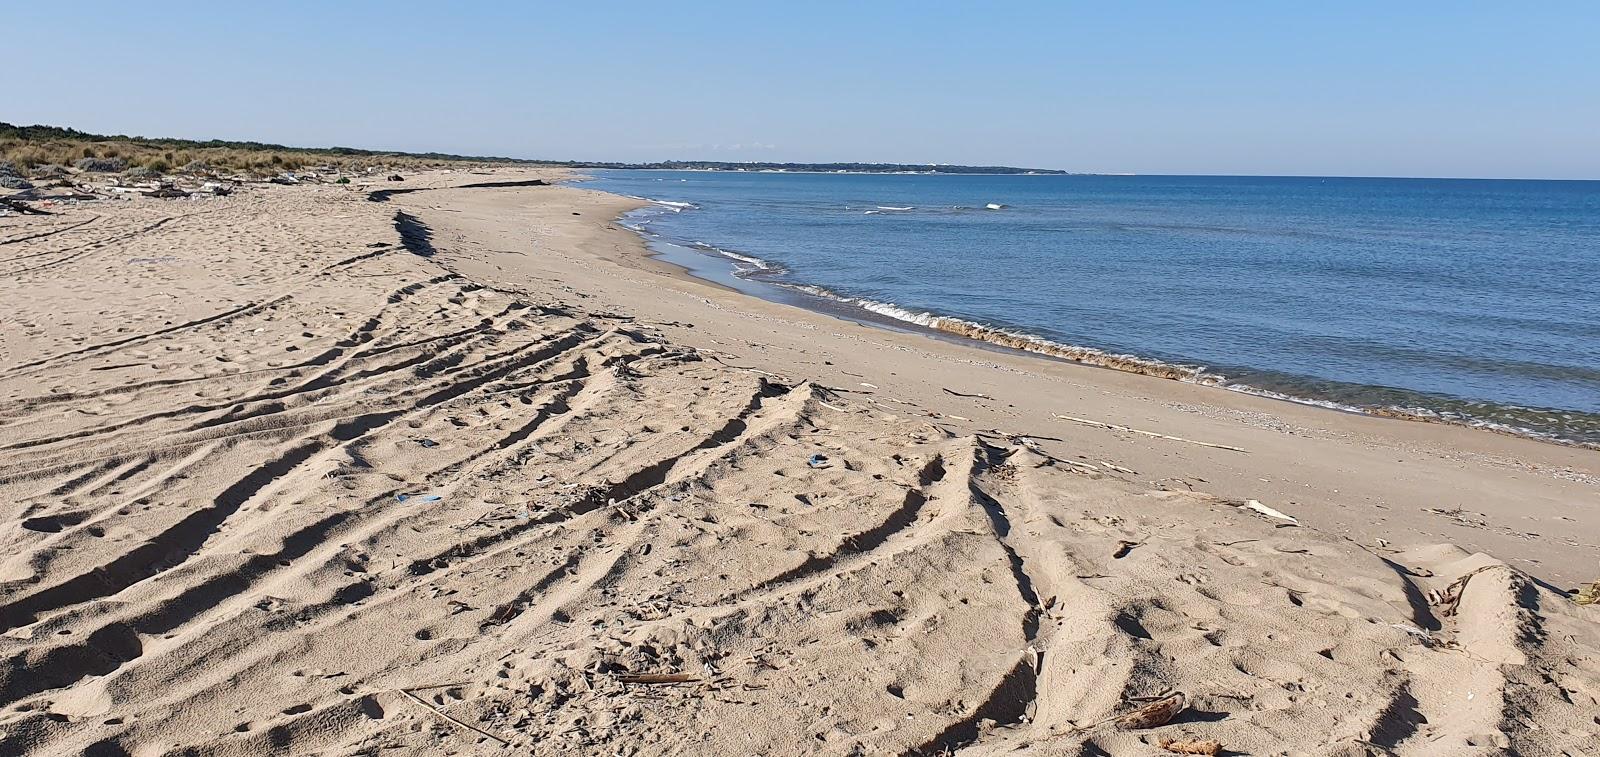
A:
[1255,505]
[23,208]
[993,206]
[166,192]
[468,726]
[1156,713]
[503,614]
[1115,427]
[819,461]
[1181,746]
[1427,639]
[955,393]
[1459,515]
[1588,595]
[1078,464]
[1450,598]
[396,177]
[427,443]
[1123,548]
[450,685]
[658,678]
[417,497]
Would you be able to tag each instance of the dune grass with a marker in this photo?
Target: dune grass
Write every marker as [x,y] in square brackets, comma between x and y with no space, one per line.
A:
[35,149]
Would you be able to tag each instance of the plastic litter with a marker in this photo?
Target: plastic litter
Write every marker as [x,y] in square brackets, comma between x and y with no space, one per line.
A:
[417,497]
[818,461]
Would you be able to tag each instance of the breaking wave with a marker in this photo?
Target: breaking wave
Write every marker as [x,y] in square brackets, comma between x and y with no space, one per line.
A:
[1018,340]
[755,263]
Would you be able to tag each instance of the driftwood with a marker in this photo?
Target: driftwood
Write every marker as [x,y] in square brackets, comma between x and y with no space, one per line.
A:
[468,726]
[1157,713]
[1176,746]
[658,678]
[1115,427]
[24,208]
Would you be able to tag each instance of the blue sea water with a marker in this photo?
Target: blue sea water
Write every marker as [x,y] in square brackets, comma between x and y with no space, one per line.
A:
[1469,300]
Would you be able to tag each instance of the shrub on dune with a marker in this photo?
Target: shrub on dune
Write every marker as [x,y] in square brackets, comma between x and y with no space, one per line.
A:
[101,165]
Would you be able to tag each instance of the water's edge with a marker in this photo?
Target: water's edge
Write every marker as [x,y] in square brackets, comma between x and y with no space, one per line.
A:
[764,279]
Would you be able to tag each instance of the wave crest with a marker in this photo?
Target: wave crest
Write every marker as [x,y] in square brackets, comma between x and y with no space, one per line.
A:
[1020,341]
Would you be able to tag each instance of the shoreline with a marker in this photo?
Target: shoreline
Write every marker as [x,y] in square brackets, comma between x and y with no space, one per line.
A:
[1316,460]
[929,323]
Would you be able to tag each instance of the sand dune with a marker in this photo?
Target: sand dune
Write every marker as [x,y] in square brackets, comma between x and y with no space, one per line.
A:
[273,483]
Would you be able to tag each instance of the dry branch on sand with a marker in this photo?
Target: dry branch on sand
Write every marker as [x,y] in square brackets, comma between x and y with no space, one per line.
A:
[1115,427]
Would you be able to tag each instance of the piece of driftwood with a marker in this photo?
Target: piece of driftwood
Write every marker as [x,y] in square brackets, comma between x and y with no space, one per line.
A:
[24,208]
[438,686]
[1159,712]
[1115,427]
[1178,746]
[1156,713]
[658,678]
[468,726]
[1256,506]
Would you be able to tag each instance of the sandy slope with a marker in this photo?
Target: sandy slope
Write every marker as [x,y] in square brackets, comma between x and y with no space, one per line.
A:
[273,484]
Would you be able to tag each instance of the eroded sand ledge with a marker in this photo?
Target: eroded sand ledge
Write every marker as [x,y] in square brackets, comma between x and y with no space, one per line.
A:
[210,411]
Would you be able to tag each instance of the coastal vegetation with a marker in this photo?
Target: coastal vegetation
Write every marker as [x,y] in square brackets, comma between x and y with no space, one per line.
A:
[37,148]
[40,148]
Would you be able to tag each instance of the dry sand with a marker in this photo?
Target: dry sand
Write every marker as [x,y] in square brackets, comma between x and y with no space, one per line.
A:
[274,484]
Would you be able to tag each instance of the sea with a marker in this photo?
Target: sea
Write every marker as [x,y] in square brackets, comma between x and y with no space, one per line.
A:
[1456,300]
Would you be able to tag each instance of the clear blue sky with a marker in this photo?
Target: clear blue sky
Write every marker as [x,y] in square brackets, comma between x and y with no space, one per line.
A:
[1346,88]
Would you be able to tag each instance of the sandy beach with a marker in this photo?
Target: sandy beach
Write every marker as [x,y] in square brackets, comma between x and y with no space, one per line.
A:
[455,470]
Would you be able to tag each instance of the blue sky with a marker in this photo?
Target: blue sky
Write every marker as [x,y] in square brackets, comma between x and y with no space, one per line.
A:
[1349,88]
